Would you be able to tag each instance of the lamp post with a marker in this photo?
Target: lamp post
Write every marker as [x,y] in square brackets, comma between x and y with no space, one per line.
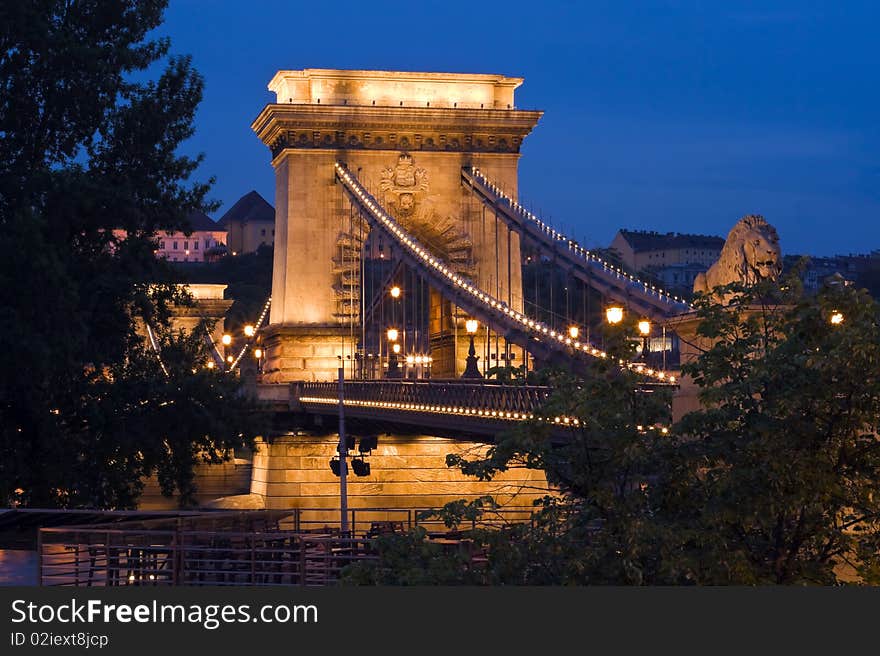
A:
[395,293]
[644,331]
[471,370]
[226,340]
[393,369]
[343,452]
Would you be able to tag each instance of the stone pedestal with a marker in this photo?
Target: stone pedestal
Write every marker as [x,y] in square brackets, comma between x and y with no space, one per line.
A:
[310,353]
[691,346]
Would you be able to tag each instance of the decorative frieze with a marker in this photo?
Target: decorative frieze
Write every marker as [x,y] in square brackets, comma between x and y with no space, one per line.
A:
[294,126]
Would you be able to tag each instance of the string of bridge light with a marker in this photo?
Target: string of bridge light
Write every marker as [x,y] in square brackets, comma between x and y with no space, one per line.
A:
[461,411]
[576,248]
[492,305]
[253,332]
[156,348]
[250,332]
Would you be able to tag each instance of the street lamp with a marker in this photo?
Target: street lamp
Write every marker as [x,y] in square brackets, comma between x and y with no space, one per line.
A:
[395,292]
[614,314]
[644,330]
[573,332]
[471,370]
[836,318]
[249,331]
[393,370]
[226,339]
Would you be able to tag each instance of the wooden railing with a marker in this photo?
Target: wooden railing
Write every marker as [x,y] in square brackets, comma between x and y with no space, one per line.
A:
[297,547]
[91,557]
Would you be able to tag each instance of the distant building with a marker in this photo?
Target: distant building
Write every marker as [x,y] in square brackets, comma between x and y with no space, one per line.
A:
[250,224]
[851,268]
[206,241]
[677,277]
[641,249]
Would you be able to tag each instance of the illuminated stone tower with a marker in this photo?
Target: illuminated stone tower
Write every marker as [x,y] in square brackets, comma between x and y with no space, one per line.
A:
[406,135]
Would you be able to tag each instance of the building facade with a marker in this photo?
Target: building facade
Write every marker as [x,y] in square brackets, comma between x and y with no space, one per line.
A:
[203,243]
[250,223]
[641,249]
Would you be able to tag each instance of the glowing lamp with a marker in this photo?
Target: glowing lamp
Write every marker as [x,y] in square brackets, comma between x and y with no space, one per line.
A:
[229,359]
[258,353]
[395,292]
[574,331]
[210,364]
[396,348]
[645,327]
[471,326]
[227,340]
[249,330]
[614,314]
[392,334]
[836,318]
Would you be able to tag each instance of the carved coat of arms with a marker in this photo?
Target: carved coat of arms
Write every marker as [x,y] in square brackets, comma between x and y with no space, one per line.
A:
[403,183]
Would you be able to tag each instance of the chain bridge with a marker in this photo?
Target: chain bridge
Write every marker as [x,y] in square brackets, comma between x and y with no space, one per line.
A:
[409,281]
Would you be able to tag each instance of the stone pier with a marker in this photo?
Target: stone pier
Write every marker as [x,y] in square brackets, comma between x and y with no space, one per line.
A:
[406,472]
[406,136]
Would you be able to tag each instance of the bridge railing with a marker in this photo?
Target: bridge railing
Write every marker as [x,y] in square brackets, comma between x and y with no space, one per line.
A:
[430,394]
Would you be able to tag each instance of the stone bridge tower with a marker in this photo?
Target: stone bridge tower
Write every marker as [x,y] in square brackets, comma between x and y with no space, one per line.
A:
[406,135]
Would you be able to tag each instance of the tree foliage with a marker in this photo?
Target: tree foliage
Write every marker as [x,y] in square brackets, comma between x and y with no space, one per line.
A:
[88,144]
[783,461]
[773,480]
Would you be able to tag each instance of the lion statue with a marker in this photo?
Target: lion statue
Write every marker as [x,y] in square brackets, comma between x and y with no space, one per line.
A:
[750,253]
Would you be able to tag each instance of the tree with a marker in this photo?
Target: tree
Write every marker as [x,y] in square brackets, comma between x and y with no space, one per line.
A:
[772,481]
[776,476]
[595,529]
[601,469]
[87,145]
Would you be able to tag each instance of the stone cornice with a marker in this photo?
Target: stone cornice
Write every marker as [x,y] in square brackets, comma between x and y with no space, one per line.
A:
[283,126]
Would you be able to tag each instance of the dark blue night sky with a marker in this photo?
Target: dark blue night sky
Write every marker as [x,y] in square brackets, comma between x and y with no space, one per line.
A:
[670,116]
